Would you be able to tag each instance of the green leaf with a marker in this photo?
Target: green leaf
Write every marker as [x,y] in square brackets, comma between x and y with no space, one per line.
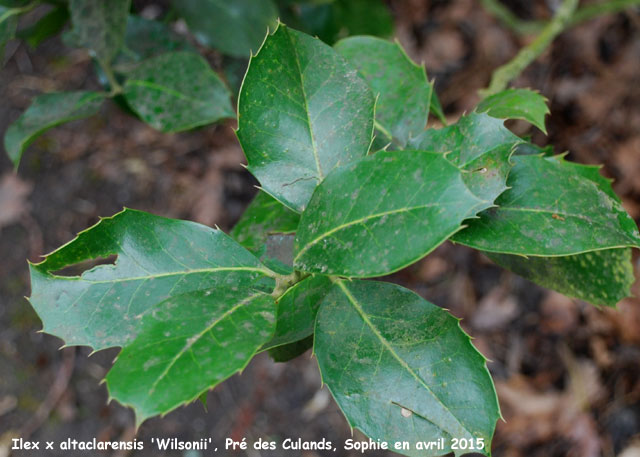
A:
[516,104]
[436,108]
[402,87]
[302,111]
[158,260]
[48,26]
[99,26]
[144,39]
[550,210]
[264,215]
[383,213]
[599,277]
[177,91]
[47,111]
[291,351]
[402,369]
[236,28]
[8,25]
[467,140]
[187,345]
[297,310]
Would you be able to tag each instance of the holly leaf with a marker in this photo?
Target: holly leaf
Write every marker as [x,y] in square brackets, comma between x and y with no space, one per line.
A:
[403,90]
[550,210]
[297,310]
[264,216]
[187,345]
[172,101]
[523,104]
[8,26]
[467,140]
[302,111]
[47,111]
[49,25]
[598,277]
[384,212]
[159,260]
[144,39]
[236,28]
[99,26]
[402,369]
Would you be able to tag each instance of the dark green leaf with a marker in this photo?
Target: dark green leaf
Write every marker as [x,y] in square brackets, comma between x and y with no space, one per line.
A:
[338,19]
[144,39]
[516,104]
[236,28]
[264,215]
[402,369]
[297,310]
[550,210]
[292,350]
[402,88]
[99,26]
[277,253]
[177,91]
[383,213]
[189,344]
[468,139]
[159,260]
[48,26]
[8,25]
[47,111]
[599,277]
[436,108]
[302,112]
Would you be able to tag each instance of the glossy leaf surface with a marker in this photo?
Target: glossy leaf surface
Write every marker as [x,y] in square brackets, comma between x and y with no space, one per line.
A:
[236,28]
[302,111]
[99,26]
[402,369]
[158,260]
[402,88]
[383,213]
[516,104]
[264,215]
[177,91]
[466,140]
[46,111]
[550,210]
[189,344]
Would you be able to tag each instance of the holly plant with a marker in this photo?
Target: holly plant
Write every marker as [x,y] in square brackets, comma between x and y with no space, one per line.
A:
[353,186]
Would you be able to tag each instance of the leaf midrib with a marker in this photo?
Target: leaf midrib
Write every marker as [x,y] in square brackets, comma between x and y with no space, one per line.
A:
[359,221]
[193,340]
[390,349]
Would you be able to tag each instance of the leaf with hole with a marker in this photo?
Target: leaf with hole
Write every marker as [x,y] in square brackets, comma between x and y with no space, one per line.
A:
[158,260]
[402,369]
[302,111]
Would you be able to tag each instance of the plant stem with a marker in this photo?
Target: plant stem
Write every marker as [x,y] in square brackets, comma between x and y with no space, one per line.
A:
[20,10]
[115,86]
[586,13]
[594,10]
[512,69]
[285,282]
